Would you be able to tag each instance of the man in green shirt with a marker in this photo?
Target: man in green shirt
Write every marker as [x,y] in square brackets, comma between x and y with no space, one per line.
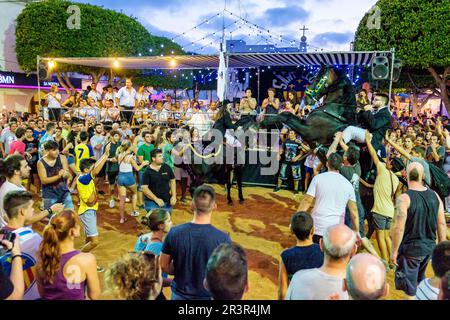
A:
[168,149]
[143,154]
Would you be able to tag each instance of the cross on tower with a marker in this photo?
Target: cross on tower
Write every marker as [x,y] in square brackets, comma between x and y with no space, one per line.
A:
[304,29]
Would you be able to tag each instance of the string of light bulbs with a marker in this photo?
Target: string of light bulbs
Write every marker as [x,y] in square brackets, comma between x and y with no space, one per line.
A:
[207,21]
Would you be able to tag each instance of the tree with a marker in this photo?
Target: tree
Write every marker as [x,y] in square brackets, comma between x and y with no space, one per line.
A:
[42,29]
[418,30]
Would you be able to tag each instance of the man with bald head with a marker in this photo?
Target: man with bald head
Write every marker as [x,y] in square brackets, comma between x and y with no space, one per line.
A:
[338,245]
[419,215]
[366,278]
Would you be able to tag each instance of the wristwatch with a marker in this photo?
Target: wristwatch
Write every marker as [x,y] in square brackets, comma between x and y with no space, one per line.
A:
[50,212]
[16,256]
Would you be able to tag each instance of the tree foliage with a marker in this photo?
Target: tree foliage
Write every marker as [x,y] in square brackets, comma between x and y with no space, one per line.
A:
[42,30]
[418,30]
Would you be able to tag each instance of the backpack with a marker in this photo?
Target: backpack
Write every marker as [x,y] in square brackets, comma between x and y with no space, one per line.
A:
[440,182]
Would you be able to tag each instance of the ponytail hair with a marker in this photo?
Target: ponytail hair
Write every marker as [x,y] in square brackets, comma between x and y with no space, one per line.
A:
[125,146]
[50,251]
[154,218]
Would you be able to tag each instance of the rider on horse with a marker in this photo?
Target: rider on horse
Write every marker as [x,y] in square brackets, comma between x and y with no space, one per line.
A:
[377,119]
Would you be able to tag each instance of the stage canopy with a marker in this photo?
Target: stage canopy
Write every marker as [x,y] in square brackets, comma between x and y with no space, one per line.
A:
[235,60]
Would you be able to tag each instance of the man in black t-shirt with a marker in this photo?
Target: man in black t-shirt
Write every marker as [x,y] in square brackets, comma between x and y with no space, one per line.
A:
[159,185]
[187,248]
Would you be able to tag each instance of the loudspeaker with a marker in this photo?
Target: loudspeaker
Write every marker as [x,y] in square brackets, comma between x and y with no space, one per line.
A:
[380,68]
[397,69]
[44,73]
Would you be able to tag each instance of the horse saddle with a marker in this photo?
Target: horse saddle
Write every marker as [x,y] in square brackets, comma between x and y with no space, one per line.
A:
[335,115]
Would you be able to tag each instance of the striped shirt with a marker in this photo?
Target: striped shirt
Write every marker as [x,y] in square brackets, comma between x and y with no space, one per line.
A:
[425,291]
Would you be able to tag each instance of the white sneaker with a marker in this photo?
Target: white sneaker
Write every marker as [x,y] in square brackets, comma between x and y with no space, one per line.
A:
[112,203]
[127,199]
[135,214]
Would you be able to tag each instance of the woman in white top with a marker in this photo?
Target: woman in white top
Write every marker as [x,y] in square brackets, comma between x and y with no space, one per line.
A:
[126,179]
[142,95]
[54,102]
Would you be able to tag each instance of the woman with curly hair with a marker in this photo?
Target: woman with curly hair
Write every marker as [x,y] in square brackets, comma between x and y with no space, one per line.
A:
[63,272]
[136,276]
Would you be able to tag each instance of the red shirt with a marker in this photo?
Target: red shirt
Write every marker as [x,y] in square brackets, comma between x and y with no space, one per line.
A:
[18,146]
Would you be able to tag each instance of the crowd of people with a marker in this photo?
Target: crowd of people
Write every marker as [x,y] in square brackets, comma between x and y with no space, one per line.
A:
[120,145]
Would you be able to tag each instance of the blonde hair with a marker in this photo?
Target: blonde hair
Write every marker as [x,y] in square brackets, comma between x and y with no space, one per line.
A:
[125,146]
[136,276]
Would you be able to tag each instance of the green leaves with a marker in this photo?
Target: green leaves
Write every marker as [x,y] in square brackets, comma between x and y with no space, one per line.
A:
[42,30]
[418,30]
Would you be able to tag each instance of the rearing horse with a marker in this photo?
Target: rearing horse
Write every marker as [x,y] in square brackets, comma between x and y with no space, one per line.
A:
[338,109]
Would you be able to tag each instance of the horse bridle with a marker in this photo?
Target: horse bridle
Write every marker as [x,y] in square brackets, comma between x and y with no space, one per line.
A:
[313,93]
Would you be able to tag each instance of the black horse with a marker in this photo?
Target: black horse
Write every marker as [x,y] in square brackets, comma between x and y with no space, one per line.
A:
[208,160]
[338,110]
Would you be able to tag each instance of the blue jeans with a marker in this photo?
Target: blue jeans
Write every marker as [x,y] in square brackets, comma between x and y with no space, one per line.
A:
[67,202]
[150,205]
[140,179]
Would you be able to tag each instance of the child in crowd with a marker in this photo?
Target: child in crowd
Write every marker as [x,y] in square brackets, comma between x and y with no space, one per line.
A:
[89,200]
[305,255]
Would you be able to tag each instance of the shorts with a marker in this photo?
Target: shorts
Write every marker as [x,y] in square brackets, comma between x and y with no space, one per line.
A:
[180,173]
[66,201]
[309,170]
[380,222]
[410,272]
[89,221]
[296,171]
[112,176]
[150,205]
[70,160]
[126,179]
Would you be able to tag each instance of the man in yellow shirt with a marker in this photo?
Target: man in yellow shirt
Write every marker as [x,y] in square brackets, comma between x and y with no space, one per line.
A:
[88,199]
[83,150]
[385,189]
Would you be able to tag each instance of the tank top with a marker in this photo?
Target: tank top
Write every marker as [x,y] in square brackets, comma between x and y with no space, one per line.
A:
[125,167]
[419,238]
[53,171]
[61,289]
[270,109]
[58,189]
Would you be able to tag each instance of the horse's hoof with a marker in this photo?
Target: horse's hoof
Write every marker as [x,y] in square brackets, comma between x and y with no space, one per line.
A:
[241,201]
[230,203]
